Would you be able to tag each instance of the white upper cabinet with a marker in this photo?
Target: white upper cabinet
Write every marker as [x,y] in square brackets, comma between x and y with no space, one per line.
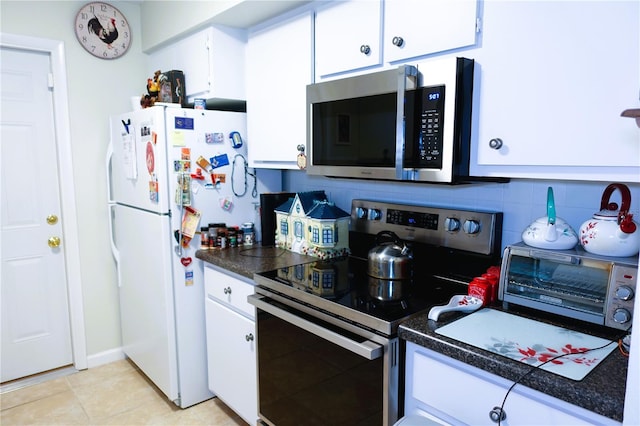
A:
[213,62]
[348,36]
[554,78]
[361,34]
[415,28]
[279,67]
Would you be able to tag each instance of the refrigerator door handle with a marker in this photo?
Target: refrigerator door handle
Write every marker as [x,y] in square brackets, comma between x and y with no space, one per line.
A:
[108,160]
[114,250]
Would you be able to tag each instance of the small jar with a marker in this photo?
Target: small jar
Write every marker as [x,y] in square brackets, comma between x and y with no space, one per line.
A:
[204,238]
[249,235]
[232,237]
[213,237]
[219,231]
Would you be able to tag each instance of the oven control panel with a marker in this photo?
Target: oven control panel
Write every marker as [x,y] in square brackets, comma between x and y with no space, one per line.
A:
[470,230]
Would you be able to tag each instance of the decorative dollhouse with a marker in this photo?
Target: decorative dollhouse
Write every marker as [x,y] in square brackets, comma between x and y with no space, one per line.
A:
[309,224]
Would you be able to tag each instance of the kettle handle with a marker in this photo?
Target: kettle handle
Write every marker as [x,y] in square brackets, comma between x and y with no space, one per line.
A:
[391,236]
[626,199]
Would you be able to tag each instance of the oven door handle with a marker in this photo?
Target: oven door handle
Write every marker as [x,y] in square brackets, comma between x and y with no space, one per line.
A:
[367,349]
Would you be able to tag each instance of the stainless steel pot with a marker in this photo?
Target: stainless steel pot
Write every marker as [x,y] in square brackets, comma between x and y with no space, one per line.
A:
[391,259]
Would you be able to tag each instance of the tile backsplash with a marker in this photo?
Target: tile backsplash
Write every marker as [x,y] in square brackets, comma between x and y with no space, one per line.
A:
[521,200]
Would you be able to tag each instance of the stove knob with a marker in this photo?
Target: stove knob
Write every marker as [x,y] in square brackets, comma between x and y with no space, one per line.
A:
[451,224]
[375,214]
[471,226]
[621,316]
[361,213]
[624,292]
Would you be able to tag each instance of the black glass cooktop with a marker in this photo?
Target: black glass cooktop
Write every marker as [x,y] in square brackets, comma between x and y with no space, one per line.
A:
[342,287]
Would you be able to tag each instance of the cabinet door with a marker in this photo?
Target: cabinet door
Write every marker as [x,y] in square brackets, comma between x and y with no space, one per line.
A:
[554,79]
[231,352]
[279,67]
[211,60]
[466,395]
[348,36]
[427,26]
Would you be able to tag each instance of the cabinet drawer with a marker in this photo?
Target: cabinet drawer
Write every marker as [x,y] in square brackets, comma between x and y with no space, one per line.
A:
[229,291]
[462,394]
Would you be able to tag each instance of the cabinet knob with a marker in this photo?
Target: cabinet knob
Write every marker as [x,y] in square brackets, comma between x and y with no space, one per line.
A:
[497,414]
[495,143]
[365,49]
[227,290]
[249,337]
[397,41]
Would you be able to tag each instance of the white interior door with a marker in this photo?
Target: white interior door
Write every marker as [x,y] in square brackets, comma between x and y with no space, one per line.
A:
[35,313]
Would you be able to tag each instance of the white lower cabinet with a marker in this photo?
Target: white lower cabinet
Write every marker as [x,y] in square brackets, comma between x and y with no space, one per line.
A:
[457,393]
[231,343]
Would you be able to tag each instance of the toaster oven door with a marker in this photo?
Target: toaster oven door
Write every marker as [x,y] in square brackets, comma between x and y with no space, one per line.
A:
[566,285]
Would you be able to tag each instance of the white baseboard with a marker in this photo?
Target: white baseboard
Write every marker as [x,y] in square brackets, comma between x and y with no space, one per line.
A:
[105,357]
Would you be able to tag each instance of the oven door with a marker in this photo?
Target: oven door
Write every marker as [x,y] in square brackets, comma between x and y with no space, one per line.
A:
[314,372]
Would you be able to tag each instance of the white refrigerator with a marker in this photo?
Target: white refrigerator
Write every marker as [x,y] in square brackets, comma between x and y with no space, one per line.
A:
[157,199]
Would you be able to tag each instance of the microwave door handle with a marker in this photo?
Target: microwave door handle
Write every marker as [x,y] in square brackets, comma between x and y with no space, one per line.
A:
[403,73]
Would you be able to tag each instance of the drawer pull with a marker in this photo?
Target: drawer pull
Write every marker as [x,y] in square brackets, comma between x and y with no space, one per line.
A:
[249,337]
[227,290]
[497,415]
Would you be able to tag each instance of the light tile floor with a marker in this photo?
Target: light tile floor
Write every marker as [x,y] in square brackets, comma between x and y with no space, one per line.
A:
[112,394]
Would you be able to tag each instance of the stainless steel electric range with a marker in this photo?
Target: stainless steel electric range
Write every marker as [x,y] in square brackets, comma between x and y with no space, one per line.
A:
[328,351]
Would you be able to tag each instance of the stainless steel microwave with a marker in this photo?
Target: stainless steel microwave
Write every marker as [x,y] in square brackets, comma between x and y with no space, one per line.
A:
[572,283]
[401,124]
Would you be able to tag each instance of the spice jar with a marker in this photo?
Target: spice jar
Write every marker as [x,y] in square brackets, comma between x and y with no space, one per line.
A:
[232,237]
[204,237]
[221,235]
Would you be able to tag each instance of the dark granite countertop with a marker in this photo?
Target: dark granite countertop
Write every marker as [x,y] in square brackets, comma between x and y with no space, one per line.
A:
[601,391]
[246,261]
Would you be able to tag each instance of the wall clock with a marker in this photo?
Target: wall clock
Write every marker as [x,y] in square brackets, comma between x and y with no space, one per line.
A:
[102,30]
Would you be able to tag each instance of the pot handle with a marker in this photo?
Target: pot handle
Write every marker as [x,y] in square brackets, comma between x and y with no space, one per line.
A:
[626,199]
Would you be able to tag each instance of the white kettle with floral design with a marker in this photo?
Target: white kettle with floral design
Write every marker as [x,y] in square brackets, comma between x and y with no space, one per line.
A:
[612,231]
[550,231]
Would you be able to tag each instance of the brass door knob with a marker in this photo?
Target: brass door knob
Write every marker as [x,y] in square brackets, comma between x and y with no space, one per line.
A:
[54,242]
[52,219]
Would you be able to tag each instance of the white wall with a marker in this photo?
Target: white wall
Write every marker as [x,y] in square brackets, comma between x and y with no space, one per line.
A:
[97,89]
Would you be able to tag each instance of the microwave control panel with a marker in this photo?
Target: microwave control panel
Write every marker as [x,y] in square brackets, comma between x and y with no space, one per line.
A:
[430,137]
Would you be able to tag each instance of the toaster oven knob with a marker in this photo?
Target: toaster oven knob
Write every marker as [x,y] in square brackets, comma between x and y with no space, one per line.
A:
[621,316]
[624,292]
[451,224]
[471,226]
